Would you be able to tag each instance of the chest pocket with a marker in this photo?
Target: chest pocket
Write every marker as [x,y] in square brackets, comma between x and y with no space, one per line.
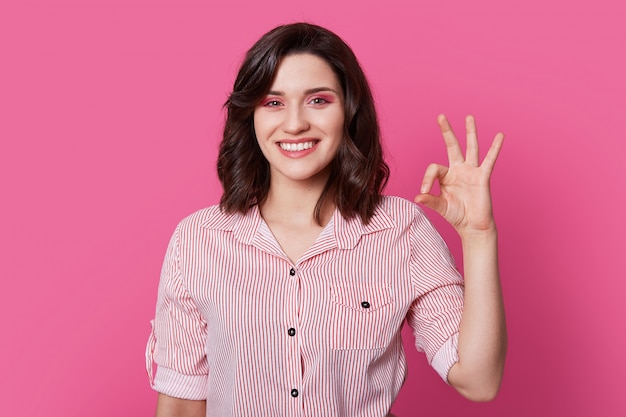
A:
[362,316]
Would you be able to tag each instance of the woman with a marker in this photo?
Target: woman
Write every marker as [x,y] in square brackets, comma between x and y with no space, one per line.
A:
[289,297]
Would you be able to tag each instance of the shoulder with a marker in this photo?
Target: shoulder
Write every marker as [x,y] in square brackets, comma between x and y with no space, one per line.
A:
[206,219]
[203,216]
[401,210]
[409,217]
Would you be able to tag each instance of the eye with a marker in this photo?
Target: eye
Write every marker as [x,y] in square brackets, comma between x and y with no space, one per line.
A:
[318,100]
[272,103]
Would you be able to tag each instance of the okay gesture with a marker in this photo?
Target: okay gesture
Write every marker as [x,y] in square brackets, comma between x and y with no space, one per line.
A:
[465,198]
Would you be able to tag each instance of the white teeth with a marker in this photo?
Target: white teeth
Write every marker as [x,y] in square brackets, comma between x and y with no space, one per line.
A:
[295,147]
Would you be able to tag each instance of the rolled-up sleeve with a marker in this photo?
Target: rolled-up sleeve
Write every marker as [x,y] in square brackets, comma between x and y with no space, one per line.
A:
[178,337]
[435,316]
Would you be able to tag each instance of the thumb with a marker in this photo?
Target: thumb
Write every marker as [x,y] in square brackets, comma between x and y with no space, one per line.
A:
[432,202]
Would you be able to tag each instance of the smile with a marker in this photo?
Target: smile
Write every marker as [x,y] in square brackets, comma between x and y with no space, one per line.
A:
[295,147]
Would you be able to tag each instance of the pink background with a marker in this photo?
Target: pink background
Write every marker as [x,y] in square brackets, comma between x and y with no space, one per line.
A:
[110,119]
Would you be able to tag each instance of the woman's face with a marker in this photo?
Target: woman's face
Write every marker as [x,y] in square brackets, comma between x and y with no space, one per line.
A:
[299,124]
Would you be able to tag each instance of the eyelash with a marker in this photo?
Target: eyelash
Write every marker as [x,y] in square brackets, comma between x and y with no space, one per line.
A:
[315,101]
[319,100]
[272,103]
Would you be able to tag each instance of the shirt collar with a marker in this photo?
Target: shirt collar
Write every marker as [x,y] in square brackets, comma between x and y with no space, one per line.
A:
[347,232]
[243,226]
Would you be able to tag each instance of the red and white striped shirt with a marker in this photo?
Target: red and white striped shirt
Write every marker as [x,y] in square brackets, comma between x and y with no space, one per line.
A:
[241,326]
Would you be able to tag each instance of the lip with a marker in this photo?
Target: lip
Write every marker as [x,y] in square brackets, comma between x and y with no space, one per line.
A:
[297,154]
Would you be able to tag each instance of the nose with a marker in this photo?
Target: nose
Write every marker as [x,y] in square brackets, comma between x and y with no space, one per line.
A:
[295,120]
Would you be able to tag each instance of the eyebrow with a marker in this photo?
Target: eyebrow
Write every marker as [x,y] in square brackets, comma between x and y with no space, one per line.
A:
[306,92]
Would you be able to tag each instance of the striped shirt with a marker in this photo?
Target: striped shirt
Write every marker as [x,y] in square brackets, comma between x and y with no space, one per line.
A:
[241,326]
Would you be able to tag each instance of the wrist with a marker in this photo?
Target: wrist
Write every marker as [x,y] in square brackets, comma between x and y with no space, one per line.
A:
[486,234]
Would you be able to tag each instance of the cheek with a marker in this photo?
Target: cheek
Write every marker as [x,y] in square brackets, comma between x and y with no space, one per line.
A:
[338,125]
[259,133]
[257,124]
[264,125]
[331,122]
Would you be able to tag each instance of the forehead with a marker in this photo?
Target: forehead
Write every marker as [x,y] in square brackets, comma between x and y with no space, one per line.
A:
[304,71]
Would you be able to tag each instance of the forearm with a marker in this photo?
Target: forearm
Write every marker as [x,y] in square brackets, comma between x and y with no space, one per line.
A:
[175,407]
[482,333]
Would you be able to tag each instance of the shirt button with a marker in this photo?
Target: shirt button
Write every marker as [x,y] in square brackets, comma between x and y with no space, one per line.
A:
[294,393]
[291,332]
[365,304]
[292,272]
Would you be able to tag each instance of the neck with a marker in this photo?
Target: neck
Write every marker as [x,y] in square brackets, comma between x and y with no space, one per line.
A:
[295,202]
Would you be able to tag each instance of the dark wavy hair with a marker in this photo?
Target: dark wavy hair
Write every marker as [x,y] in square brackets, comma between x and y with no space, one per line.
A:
[358,172]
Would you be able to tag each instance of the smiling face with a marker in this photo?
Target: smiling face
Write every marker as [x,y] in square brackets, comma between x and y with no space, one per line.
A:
[299,124]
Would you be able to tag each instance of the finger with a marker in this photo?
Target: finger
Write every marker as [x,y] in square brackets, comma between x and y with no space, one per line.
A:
[432,202]
[492,154]
[455,155]
[433,172]
[471,154]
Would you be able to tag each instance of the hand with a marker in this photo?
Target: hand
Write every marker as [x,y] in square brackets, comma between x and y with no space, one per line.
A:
[464,199]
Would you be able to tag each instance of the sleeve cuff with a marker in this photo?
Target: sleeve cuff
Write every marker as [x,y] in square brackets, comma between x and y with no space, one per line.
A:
[172,383]
[446,356]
